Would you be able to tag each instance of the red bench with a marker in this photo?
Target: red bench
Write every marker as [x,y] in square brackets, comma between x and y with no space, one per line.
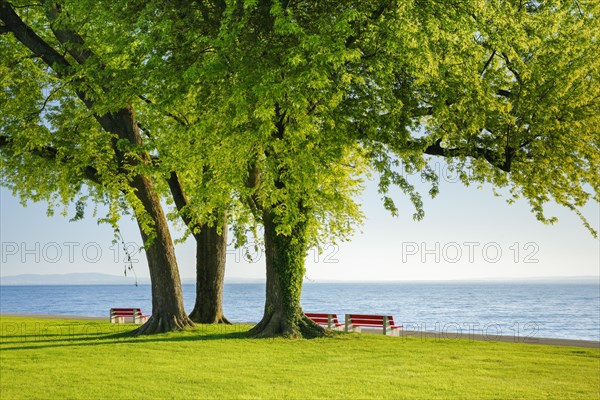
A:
[122,315]
[385,322]
[328,320]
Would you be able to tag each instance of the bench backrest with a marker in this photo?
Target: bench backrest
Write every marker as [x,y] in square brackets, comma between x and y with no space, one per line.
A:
[391,320]
[323,319]
[370,320]
[126,312]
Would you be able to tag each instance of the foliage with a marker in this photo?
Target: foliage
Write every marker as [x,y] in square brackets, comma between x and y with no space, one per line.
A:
[84,127]
[314,96]
[517,102]
[233,102]
[53,143]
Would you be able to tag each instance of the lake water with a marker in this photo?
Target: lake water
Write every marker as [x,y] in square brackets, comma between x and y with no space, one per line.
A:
[516,309]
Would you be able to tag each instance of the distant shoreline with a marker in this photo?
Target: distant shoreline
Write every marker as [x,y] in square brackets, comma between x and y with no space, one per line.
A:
[58,280]
[424,335]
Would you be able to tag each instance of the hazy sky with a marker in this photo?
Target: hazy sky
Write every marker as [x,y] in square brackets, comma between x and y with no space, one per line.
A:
[467,233]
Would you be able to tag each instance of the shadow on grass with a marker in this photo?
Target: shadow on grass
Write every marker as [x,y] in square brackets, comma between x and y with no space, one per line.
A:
[41,338]
[99,339]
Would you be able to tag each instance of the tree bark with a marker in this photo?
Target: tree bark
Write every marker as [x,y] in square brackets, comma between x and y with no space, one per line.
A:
[285,255]
[211,254]
[211,251]
[168,312]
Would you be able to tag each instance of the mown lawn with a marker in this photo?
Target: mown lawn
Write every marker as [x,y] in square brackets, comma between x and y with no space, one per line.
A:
[66,359]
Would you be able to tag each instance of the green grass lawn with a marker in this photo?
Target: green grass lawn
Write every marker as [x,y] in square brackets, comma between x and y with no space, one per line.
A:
[42,358]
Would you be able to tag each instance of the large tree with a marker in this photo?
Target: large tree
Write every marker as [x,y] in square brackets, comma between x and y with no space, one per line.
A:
[270,152]
[70,109]
[293,101]
[294,95]
[116,74]
[201,198]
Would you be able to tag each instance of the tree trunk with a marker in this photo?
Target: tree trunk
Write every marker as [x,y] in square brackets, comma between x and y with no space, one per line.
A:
[211,251]
[168,312]
[283,315]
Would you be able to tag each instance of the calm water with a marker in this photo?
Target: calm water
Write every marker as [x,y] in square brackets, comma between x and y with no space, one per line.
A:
[523,309]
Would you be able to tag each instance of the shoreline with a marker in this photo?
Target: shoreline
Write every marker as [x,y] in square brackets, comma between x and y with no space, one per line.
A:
[424,335]
[593,344]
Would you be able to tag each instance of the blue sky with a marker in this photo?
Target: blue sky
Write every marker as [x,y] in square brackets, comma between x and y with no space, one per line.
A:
[467,233]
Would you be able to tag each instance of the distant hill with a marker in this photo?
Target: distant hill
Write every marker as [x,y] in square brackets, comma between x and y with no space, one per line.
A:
[69,279]
[92,279]
[106,279]
[537,279]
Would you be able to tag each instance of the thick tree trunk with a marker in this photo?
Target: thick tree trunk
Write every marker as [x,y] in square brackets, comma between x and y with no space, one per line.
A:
[283,315]
[211,251]
[168,312]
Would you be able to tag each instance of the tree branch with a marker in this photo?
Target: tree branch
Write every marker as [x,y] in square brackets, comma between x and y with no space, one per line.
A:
[374,16]
[30,39]
[253,182]
[487,64]
[504,93]
[73,42]
[490,156]
[24,34]
[511,69]
[45,104]
[181,202]
[74,45]
[179,120]
[51,153]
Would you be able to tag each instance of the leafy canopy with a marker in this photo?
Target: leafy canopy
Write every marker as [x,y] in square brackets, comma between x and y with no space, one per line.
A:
[289,105]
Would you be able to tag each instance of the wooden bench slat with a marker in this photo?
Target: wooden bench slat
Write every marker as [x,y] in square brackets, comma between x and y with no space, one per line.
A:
[371,321]
[323,319]
[367,316]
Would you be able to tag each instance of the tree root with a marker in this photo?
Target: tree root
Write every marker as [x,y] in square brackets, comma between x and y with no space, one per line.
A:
[161,323]
[310,329]
[219,318]
[274,325]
